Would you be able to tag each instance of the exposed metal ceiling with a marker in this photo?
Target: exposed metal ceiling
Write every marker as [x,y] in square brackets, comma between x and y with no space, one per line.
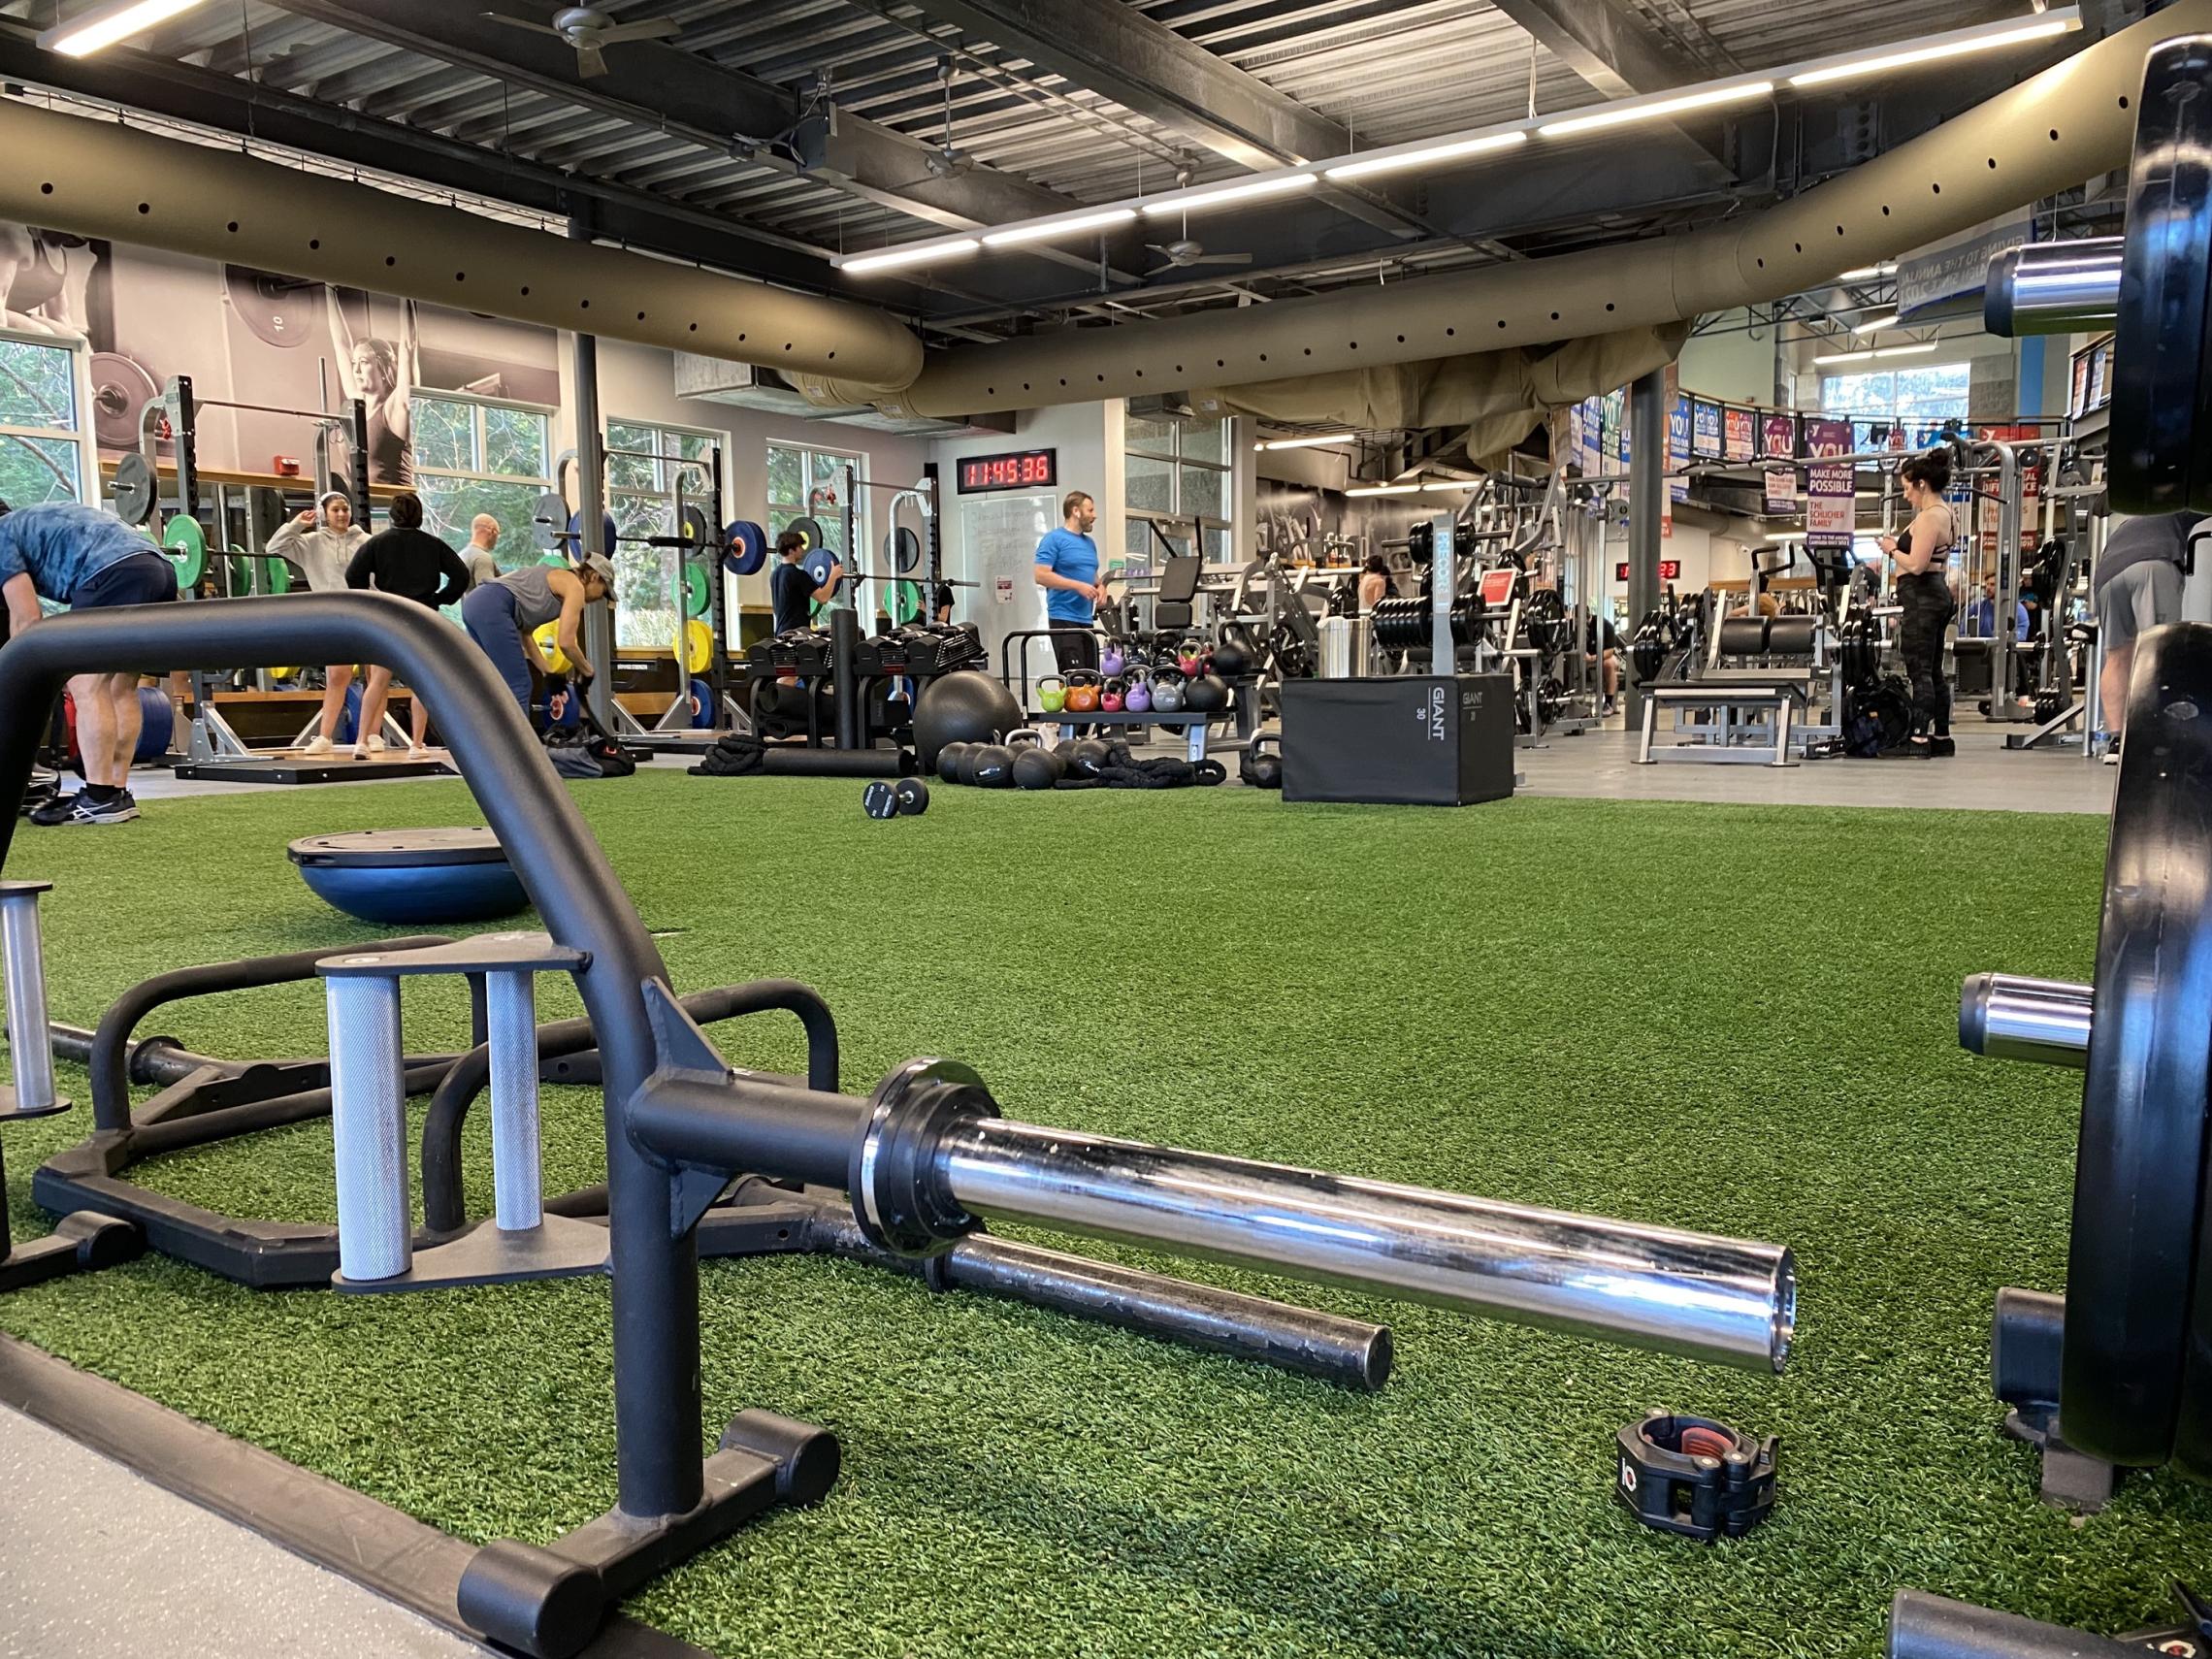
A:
[701,146]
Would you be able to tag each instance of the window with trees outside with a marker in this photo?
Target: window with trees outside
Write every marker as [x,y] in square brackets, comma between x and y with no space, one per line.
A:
[1175,472]
[1934,393]
[472,455]
[43,452]
[810,482]
[647,466]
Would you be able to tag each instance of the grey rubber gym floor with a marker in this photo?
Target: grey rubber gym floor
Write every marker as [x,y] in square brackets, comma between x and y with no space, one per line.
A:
[102,1564]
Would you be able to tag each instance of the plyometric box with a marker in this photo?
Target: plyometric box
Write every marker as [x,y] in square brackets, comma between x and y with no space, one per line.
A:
[1421,740]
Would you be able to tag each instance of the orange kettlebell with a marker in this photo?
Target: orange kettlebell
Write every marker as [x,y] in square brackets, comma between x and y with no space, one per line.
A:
[1082,692]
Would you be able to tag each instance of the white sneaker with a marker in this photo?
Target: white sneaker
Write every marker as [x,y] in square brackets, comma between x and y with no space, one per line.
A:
[374,745]
[418,754]
[361,751]
[316,746]
[2112,757]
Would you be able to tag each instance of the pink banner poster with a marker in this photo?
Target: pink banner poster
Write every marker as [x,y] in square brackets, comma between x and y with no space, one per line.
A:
[1831,504]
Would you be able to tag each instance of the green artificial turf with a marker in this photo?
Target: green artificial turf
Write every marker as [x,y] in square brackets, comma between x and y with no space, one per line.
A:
[1741,1020]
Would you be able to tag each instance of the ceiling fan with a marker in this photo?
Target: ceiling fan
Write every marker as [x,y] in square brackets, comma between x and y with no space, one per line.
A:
[945,161]
[1185,251]
[590,32]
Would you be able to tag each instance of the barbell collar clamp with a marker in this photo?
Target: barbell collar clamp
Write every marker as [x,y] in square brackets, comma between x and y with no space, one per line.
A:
[1694,1477]
[899,1198]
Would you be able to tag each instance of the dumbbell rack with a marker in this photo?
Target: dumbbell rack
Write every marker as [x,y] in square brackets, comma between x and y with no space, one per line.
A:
[80,1241]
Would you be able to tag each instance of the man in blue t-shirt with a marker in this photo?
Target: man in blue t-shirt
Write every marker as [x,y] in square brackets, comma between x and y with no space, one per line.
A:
[85,559]
[1068,569]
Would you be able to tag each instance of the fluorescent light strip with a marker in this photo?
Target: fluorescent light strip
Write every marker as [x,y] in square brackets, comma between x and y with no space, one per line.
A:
[1383,490]
[1941,48]
[1391,160]
[1447,148]
[1449,485]
[1267,185]
[891,258]
[1304,443]
[1869,356]
[1874,325]
[104,25]
[1645,109]
[1042,230]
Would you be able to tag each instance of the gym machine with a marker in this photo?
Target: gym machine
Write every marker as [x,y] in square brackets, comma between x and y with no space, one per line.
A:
[926,1158]
[2116,1373]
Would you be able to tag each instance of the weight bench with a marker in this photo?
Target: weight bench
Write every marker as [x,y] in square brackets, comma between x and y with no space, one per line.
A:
[1780,687]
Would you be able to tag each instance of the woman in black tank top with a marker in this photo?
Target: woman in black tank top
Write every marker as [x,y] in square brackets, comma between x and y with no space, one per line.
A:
[1924,595]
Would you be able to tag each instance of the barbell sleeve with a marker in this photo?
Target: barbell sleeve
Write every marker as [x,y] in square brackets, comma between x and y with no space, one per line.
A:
[2053,287]
[2005,1015]
[1923,1626]
[1680,1293]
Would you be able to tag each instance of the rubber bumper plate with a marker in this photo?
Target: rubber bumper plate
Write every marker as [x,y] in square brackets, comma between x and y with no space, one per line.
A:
[2138,1179]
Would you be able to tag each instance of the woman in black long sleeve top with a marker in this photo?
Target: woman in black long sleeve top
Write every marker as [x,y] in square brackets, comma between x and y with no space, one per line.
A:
[408,561]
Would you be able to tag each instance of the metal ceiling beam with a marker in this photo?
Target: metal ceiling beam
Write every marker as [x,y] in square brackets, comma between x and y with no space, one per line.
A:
[1116,51]
[677,91]
[1618,53]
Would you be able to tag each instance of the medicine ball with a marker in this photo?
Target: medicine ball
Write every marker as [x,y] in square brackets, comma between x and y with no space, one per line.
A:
[948,758]
[965,708]
[993,765]
[1038,768]
[1085,756]
[963,767]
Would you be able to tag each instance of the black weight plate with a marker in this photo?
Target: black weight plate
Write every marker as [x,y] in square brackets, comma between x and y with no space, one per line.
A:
[905,550]
[2162,392]
[879,800]
[2137,1181]
[807,528]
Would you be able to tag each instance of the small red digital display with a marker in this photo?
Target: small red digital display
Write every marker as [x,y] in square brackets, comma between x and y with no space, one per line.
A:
[1021,470]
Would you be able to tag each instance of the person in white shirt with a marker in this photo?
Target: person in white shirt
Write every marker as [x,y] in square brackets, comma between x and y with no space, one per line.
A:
[322,543]
[479,556]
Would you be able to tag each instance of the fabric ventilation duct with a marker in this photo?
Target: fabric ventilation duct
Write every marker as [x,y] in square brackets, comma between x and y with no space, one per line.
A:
[99,179]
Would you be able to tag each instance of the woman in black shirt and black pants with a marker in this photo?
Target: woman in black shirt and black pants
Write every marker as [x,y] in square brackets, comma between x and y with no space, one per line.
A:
[1924,594]
[406,560]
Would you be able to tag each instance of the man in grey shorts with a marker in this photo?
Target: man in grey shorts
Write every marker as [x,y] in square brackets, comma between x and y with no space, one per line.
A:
[2137,587]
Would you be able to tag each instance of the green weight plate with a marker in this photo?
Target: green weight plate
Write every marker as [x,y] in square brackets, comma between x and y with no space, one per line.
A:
[2140,1172]
[276,574]
[187,547]
[697,591]
[905,601]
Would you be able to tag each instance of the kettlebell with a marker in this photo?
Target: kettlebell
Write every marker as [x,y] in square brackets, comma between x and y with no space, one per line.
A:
[1167,691]
[1052,693]
[1082,692]
[948,759]
[1038,768]
[993,765]
[1263,762]
[1112,661]
[1111,695]
[1190,655]
[1232,658]
[1137,699]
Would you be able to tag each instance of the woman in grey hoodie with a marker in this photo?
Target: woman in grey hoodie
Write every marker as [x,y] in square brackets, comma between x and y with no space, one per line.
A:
[322,552]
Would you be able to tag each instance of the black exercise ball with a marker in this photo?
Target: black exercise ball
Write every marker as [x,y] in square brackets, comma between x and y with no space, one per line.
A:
[1208,694]
[1085,756]
[993,765]
[1037,769]
[965,708]
[948,757]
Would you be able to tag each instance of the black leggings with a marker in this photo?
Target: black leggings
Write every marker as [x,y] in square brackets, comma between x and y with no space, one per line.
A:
[1927,609]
